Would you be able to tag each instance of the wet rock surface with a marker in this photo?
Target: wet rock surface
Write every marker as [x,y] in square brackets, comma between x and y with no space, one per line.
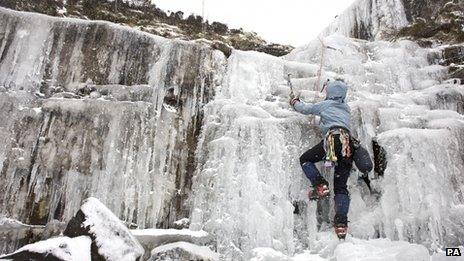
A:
[434,20]
[61,141]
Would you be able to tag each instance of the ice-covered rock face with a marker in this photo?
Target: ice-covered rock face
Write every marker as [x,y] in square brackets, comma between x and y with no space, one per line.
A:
[248,190]
[124,148]
[67,52]
[248,175]
[111,240]
[369,19]
[425,21]
[246,178]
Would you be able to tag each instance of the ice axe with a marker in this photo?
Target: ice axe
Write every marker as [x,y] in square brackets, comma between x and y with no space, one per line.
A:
[289,83]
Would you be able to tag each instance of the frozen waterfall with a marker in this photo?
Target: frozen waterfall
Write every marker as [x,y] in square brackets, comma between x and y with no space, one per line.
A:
[249,177]
[118,144]
[82,115]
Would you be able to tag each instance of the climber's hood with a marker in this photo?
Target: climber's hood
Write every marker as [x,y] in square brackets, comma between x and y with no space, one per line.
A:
[336,91]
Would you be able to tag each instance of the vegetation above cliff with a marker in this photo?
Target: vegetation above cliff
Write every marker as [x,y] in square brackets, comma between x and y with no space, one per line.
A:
[443,25]
[147,17]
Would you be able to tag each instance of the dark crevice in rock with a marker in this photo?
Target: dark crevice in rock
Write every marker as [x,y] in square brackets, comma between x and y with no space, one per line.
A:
[380,158]
[362,30]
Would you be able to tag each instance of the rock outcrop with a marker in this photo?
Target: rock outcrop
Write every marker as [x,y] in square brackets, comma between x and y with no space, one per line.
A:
[152,238]
[54,249]
[111,239]
[60,143]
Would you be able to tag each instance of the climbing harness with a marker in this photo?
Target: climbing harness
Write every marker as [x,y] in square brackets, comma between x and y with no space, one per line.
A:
[329,146]
[345,140]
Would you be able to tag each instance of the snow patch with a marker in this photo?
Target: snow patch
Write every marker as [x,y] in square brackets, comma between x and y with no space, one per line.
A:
[64,248]
[195,252]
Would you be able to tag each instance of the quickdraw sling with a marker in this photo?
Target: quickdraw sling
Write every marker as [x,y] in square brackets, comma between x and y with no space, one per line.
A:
[329,145]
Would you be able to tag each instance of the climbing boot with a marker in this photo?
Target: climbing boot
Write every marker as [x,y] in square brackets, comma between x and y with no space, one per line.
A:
[341,230]
[319,192]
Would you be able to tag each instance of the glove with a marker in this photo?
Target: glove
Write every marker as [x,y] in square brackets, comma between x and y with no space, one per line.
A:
[294,100]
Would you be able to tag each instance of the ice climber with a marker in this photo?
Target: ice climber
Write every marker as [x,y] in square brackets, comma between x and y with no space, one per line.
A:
[338,149]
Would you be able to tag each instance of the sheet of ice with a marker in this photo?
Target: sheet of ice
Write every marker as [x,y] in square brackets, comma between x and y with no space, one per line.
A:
[369,19]
[249,177]
[377,67]
[64,248]
[420,188]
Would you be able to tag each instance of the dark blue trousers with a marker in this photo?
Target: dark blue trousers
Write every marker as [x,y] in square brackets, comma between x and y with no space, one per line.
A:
[341,175]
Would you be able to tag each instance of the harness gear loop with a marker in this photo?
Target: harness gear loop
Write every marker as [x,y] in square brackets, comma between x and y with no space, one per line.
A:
[345,140]
[329,145]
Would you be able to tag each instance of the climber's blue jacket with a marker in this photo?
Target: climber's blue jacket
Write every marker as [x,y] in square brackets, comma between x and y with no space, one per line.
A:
[334,111]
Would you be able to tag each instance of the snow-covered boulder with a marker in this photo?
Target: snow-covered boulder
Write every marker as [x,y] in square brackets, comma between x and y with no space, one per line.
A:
[111,239]
[58,249]
[152,238]
[182,223]
[183,251]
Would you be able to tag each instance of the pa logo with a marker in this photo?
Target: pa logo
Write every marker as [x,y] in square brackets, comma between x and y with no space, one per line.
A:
[453,251]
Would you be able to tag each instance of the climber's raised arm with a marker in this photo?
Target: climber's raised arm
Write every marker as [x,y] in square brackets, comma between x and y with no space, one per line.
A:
[307,108]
